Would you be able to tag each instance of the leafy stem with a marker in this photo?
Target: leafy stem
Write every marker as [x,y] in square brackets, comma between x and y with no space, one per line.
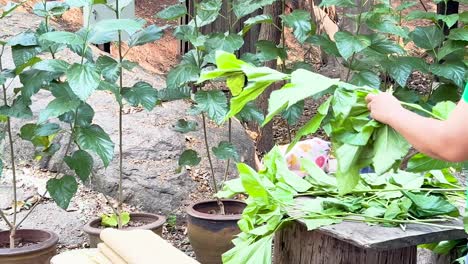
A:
[120,195]
[13,166]
[47,26]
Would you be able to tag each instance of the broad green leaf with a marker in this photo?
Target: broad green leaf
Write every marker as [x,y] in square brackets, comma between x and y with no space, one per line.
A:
[386,24]
[427,37]
[400,68]
[189,158]
[113,25]
[19,108]
[207,12]
[54,8]
[459,34]
[235,83]
[383,45]
[389,148]
[84,115]
[64,102]
[63,37]
[443,109]
[112,220]
[325,43]
[452,71]
[83,80]
[299,89]
[55,66]
[213,103]
[82,163]
[167,95]
[172,12]
[147,35]
[313,124]
[366,78]
[423,163]
[109,68]
[184,126]
[95,139]
[252,21]
[348,44]
[347,174]
[251,182]
[23,39]
[284,174]
[300,21]
[141,93]
[22,55]
[250,93]
[47,129]
[340,3]
[62,190]
[250,113]
[316,175]
[407,180]
[445,92]
[242,8]
[182,75]
[33,80]
[430,205]
[226,42]
[267,50]
[231,188]
[293,114]
[450,47]
[225,151]
[251,253]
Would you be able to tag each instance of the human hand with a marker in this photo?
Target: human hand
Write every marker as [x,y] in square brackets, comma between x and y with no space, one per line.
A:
[383,107]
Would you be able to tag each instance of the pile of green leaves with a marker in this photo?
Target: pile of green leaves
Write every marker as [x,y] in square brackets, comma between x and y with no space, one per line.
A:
[391,199]
[358,141]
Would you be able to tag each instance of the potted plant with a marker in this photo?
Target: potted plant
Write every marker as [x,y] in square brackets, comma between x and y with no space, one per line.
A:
[141,94]
[212,224]
[22,245]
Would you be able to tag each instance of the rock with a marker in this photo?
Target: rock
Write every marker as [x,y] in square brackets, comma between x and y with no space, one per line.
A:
[150,146]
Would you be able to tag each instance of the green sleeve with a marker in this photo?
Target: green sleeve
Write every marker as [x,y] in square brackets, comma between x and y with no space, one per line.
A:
[465,94]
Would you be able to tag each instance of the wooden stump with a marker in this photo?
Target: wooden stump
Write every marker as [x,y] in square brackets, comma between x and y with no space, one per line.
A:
[296,245]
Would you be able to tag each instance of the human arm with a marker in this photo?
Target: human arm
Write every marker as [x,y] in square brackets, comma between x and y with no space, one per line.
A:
[445,140]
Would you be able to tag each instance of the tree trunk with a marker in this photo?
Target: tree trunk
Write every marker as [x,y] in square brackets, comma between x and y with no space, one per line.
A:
[268,32]
[297,245]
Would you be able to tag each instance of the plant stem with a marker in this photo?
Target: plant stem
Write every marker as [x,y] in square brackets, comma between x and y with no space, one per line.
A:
[47,26]
[12,157]
[208,154]
[120,197]
[359,20]
[59,168]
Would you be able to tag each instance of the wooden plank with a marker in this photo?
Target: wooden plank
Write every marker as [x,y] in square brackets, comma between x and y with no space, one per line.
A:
[296,245]
[378,237]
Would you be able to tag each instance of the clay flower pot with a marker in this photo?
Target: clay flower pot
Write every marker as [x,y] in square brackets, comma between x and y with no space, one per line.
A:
[43,249]
[210,234]
[154,223]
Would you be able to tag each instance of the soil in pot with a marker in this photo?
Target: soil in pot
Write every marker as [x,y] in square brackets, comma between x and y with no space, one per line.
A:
[33,247]
[137,221]
[209,232]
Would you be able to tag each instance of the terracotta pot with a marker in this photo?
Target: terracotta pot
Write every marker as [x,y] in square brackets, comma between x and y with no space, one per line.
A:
[210,234]
[156,223]
[40,253]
